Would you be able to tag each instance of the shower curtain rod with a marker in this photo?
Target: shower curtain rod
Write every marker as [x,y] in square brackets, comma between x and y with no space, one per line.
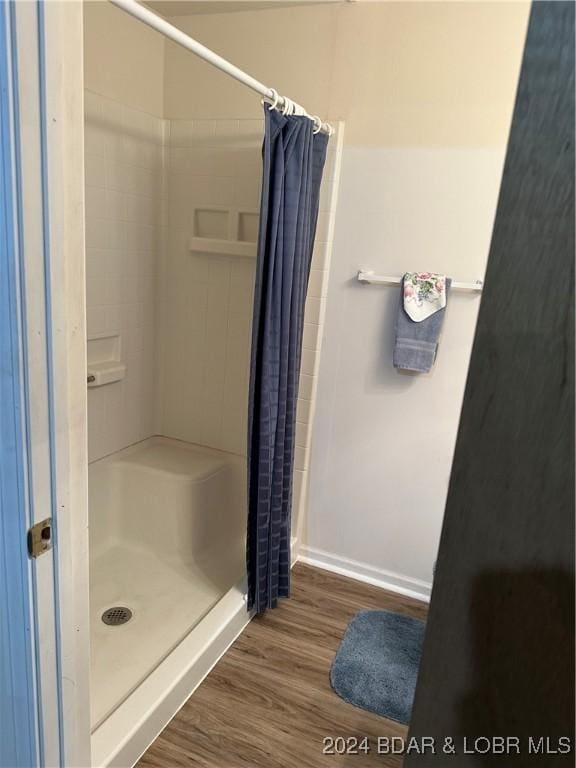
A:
[168,30]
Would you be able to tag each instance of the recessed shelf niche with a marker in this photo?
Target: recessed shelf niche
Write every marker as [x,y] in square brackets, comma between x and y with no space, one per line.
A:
[225,231]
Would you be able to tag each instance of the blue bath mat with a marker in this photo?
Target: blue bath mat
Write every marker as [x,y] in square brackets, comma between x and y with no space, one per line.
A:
[376,665]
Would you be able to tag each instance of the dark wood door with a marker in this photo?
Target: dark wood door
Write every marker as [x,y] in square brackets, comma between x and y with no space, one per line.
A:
[498,656]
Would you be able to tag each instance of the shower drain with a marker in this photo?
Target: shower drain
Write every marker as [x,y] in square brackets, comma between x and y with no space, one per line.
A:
[116,615]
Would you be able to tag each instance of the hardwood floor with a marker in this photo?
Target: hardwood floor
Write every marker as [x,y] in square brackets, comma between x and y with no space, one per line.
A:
[268,701]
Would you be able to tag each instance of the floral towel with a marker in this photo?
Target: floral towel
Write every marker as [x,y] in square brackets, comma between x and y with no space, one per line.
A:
[424,294]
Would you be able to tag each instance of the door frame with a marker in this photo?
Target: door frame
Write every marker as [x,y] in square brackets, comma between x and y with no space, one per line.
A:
[42,145]
[20,735]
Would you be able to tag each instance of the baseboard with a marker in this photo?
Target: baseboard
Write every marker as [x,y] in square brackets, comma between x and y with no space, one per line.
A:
[294,554]
[393,582]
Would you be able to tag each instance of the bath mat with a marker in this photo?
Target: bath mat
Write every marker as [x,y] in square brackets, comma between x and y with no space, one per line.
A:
[376,665]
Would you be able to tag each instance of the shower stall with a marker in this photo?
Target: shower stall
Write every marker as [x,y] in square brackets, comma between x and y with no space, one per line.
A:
[168,358]
[167,542]
[172,197]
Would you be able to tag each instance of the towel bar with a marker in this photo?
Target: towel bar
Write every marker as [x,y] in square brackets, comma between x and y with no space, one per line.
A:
[368,276]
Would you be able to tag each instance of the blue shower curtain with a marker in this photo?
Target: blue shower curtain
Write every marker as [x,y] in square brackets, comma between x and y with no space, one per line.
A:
[293,160]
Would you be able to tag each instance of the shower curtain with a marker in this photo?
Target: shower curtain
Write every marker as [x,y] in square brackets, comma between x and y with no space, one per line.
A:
[293,160]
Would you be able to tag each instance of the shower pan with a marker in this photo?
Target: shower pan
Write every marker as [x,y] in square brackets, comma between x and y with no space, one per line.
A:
[167,525]
[167,542]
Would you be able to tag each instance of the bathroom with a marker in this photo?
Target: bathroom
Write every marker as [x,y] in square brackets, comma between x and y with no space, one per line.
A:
[166,654]
[173,156]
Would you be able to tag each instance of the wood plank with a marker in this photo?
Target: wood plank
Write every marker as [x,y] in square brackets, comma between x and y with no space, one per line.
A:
[268,702]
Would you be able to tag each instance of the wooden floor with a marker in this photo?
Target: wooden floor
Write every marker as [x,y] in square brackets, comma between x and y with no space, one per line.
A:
[268,701]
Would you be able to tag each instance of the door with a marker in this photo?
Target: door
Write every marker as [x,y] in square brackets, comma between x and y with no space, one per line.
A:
[498,657]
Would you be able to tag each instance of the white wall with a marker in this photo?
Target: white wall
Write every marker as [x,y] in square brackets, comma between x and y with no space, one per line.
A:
[383,439]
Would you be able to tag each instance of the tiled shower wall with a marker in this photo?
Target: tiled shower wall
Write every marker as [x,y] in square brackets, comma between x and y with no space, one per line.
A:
[124,203]
[206,307]
[206,312]
[184,317]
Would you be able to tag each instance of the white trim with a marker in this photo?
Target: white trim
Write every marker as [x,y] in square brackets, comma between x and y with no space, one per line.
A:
[293,551]
[378,577]
[49,37]
[128,732]
[62,72]
[34,288]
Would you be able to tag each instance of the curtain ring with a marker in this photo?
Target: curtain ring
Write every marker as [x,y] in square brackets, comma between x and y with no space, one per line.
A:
[288,106]
[276,97]
[317,124]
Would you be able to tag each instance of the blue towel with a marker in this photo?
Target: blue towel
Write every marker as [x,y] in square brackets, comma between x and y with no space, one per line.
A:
[416,344]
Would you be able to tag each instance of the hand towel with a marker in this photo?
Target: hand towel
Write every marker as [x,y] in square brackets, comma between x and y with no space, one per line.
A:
[423,298]
[424,294]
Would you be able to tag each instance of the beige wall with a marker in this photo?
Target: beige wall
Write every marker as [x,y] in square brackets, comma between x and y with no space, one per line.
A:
[398,73]
[427,73]
[123,58]
[290,49]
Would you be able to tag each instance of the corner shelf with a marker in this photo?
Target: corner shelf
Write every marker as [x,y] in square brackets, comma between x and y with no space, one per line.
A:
[225,231]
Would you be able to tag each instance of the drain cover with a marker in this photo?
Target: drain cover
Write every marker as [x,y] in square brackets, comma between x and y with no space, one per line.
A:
[116,615]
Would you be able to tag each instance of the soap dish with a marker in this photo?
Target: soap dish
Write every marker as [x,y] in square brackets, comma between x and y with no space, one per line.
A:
[105,373]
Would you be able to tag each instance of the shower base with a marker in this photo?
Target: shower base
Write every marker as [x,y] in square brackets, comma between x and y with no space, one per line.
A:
[166,602]
[167,524]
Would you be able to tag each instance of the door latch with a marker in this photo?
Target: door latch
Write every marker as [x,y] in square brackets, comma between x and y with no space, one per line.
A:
[40,537]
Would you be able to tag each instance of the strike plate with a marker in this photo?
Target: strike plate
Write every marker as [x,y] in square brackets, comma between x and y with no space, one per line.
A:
[40,537]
